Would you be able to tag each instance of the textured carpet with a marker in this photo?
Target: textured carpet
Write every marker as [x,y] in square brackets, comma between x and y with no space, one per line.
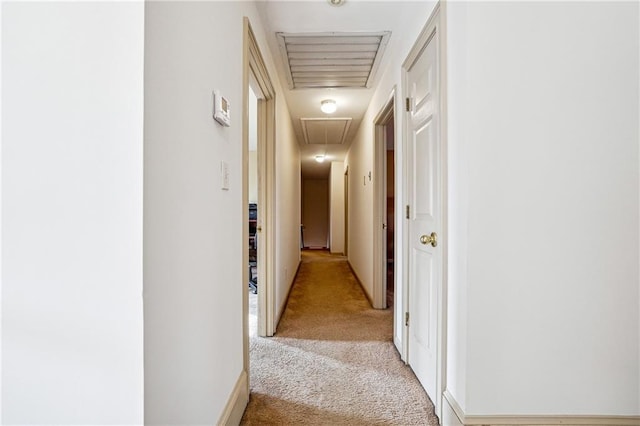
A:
[332,361]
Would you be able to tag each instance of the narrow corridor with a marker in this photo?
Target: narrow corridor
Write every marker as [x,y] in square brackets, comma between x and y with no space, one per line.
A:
[332,360]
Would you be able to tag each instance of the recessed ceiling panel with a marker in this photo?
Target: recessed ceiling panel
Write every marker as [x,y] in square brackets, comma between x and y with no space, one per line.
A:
[321,60]
[325,131]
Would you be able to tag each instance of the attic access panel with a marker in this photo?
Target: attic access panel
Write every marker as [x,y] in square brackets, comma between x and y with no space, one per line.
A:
[325,131]
[324,60]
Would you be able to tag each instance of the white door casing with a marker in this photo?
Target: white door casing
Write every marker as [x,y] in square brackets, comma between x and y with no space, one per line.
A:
[255,75]
[425,215]
[380,225]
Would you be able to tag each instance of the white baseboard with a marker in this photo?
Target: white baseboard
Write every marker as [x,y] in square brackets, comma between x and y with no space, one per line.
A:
[364,290]
[534,420]
[233,411]
[448,399]
[286,299]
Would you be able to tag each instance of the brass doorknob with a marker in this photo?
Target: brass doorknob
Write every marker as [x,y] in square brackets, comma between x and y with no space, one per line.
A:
[430,239]
[259,229]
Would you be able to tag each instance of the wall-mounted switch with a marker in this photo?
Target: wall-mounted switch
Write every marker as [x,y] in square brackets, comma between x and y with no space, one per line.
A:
[221,109]
[224,175]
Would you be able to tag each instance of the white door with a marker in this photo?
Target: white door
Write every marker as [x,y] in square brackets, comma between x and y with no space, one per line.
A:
[425,260]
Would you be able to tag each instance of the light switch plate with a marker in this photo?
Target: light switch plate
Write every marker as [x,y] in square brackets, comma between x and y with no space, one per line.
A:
[224,175]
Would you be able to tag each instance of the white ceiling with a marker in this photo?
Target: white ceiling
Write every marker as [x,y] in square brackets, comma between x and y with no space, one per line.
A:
[318,16]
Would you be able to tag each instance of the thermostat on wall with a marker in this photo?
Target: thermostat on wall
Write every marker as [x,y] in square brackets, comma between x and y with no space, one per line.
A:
[221,109]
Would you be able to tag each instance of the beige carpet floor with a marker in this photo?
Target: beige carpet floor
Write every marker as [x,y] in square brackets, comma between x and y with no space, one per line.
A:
[332,361]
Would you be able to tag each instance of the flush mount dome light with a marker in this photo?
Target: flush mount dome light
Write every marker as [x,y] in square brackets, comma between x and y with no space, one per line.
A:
[328,106]
[320,158]
[336,2]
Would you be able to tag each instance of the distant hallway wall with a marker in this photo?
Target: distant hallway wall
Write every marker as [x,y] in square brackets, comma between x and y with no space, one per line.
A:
[315,212]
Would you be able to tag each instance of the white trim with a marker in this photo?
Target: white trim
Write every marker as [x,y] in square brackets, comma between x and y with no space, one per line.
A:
[444,152]
[554,420]
[255,70]
[537,419]
[284,305]
[346,211]
[402,115]
[433,26]
[237,403]
[455,407]
[266,216]
[246,73]
[378,58]
[364,290]
[384,116]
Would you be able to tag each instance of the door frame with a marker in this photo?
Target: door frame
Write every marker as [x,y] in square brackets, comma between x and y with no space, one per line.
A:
[435,24]
[384,116]
[254,74]
[346,211]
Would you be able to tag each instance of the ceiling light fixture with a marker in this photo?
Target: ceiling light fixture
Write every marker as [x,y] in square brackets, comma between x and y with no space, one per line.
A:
[336,2]
[328,106]
[320,158]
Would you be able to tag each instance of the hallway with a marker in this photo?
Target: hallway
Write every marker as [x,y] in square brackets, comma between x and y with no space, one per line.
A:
[332,360]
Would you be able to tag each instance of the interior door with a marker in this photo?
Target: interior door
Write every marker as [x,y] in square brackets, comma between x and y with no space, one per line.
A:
[425,258]
[315,212]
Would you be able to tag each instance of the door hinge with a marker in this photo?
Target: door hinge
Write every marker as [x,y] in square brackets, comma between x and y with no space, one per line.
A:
[406,319]
[408,210]
[408,104]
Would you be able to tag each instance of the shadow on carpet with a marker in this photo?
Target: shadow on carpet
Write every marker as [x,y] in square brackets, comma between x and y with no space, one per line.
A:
[332,361]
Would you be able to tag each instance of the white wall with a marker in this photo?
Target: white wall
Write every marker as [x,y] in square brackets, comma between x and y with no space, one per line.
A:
[72,114]
[193,229]
[336,207]
[457,202]
[253,176]
[544,283]
[288,196]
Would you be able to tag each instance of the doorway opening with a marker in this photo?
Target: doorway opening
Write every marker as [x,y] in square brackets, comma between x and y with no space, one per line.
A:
[258,174]
[385,207]
[259,204]
[315,213]
[253,208]
[346,212]
[389,219]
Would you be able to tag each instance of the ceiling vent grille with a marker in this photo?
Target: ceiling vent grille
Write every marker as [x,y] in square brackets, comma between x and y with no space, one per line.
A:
[322,60]
[325,131]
